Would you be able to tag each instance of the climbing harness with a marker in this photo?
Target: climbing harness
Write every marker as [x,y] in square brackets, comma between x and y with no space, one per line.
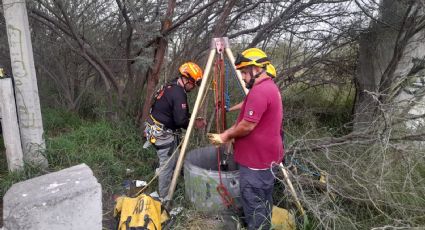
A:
[153,128]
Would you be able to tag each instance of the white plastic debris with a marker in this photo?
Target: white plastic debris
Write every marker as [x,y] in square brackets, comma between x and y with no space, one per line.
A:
[175,211]
[154,194]
[140,183]
[147,144]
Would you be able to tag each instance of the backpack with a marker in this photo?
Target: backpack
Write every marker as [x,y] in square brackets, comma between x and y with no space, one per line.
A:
[139,213]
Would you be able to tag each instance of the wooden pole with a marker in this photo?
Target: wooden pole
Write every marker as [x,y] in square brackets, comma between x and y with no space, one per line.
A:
[291,188]
[201,92]
[9,121]
[238,73]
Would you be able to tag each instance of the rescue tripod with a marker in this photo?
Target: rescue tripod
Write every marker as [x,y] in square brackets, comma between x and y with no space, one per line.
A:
[218,46]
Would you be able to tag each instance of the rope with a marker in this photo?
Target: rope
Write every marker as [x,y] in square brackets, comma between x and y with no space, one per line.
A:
[228,66]
[226,197]
[305,168]
[219,95]
[226,94]
[159,171]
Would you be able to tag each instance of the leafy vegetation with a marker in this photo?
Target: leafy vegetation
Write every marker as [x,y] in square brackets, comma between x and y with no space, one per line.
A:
[112,150]
[316,112]
[110,55]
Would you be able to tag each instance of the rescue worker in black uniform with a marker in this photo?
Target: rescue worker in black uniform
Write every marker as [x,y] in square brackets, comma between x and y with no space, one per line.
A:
[169,114]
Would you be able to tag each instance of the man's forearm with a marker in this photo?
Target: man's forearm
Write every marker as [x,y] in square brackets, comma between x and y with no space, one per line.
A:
[237,132]
[242,129]
[236,107]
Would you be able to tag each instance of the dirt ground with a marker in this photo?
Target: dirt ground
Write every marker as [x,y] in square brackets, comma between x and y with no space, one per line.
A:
[188,219]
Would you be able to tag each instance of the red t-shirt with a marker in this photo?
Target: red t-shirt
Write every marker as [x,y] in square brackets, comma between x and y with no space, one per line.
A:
[263,145]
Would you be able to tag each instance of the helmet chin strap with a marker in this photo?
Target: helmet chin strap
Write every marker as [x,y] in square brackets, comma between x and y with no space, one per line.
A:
[184,83]
[250,84]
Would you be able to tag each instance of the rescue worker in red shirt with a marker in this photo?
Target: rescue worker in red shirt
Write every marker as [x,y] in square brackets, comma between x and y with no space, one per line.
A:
[169,114]
[257,138]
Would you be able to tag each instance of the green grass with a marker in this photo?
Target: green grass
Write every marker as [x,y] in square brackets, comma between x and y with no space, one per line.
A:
[7,179]
[113,151]
[57,121]
[109,150]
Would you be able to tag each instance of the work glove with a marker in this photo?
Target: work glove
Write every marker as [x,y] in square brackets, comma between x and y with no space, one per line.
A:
[215,138]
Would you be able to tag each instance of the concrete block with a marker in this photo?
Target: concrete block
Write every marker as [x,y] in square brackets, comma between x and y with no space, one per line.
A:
[67,199]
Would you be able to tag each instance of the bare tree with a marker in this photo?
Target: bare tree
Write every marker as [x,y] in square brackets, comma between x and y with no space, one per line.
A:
[122,49]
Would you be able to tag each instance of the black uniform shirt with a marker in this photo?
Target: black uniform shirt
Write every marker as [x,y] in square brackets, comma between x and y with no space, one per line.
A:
[171,108]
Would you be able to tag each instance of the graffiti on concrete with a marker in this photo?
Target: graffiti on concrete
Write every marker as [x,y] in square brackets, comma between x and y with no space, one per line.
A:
[27,118]
[26,92]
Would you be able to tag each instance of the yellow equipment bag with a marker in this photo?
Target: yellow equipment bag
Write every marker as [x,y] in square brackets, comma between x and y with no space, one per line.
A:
[142,213]
[282,219]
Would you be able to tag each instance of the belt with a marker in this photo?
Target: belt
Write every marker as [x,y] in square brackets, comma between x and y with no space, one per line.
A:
[156,122]
[162,126]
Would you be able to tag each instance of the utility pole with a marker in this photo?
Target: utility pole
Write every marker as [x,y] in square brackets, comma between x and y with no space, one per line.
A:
[26,90]
[9,121]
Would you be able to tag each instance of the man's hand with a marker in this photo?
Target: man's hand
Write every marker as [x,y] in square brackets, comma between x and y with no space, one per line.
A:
[200,123]
[215,138]
[219,138]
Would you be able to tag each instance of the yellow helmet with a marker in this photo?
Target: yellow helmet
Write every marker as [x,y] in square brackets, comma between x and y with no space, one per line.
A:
[191,71]
[271,71]
[252,57]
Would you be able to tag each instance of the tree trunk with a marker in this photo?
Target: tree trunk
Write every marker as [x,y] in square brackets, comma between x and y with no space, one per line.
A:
[374,56]
[153,72]
[387,52]
[220,27]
